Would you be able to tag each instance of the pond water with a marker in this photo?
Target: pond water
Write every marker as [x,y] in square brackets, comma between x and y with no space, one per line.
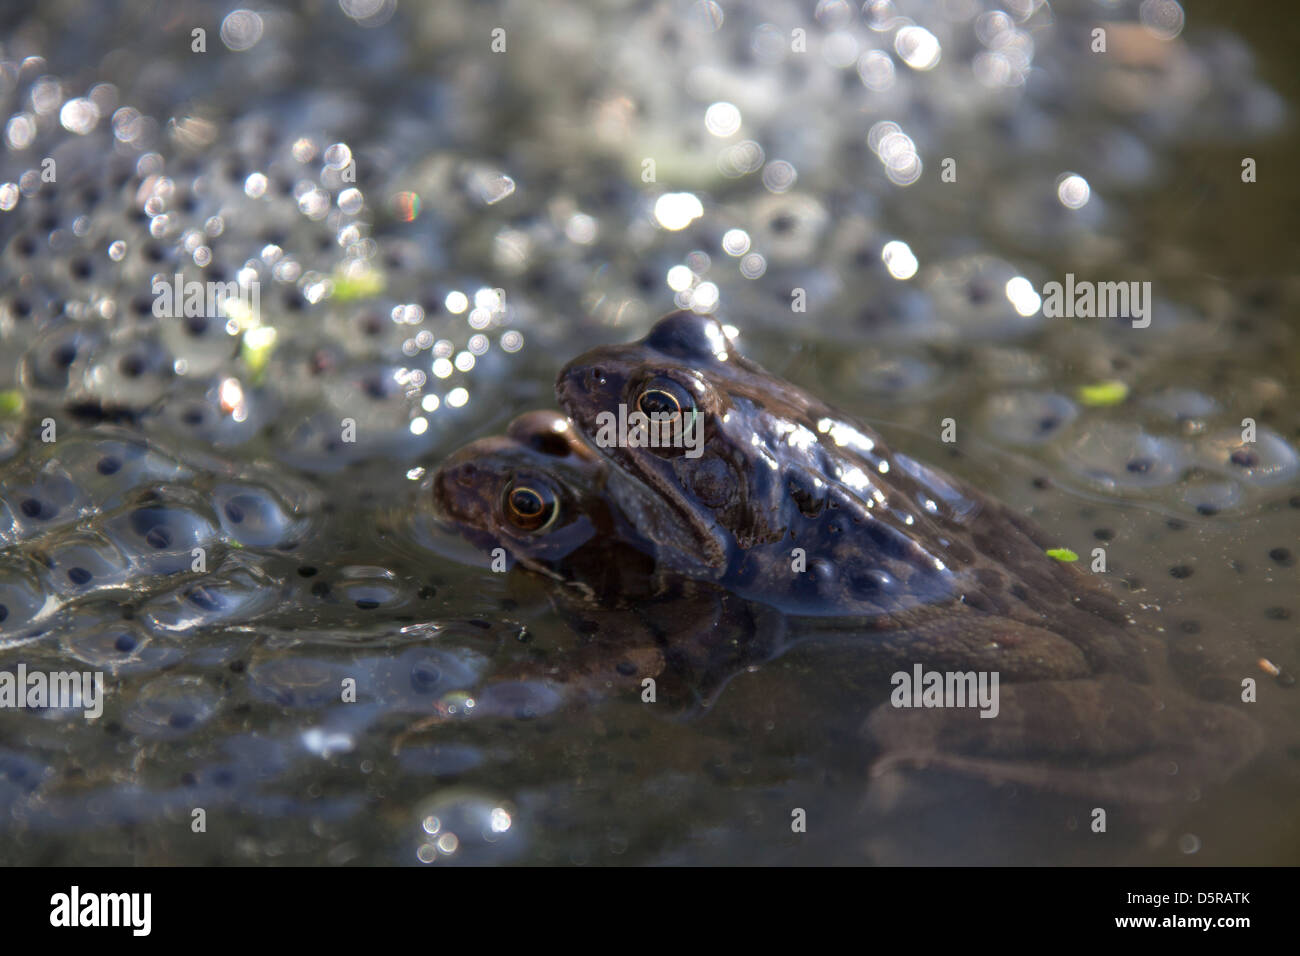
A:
[437,216]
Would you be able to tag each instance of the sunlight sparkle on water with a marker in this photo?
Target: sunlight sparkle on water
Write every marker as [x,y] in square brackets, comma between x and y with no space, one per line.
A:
[676,211]
[899,260]
[1024,298]
[1073,191]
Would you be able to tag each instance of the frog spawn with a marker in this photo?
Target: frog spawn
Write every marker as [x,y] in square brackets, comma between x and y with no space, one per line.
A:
[141,530]
[173,706]
[103,641]
[1207,471]
[159,216]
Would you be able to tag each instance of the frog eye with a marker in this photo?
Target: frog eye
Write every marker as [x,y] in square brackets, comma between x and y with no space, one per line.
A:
[665,400]
[530,505]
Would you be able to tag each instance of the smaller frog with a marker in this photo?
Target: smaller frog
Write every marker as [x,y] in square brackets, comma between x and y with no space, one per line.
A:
[537,492]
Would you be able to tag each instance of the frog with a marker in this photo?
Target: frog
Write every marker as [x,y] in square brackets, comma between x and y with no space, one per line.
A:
[779,497]
[536,492]
[540,494]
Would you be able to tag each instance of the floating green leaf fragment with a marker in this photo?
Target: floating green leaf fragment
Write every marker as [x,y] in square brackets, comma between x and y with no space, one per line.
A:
[256,349]
[11,402]
[1103,393]
[365,285]
[1062,554]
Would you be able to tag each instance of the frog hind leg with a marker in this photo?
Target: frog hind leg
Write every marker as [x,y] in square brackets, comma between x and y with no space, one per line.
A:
[1106,737]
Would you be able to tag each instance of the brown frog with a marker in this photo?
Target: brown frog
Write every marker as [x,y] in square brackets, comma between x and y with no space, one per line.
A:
[776,496]
[538,493]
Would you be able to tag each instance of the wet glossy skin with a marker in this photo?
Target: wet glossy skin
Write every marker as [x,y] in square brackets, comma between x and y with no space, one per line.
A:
[779,470]
[879,535]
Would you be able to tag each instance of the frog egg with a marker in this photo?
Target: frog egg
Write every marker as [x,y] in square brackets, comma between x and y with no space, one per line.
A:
[953,502]
[302,372]
[788,228]
[219,414]
[374,388]
[1030,214]
[171,707]
[1268,462]
[1181,404]
[1119,457]
[890,314]
[363,590]
[1028,418]
[200,341]
[23,250]
[57,359]
[366,331]
[84,561]
[11,441]
[422,675]
[370,595]
[80,268]
[108,469]
[316,444]
[237,592]
[254,516]
[297,682]
[130,374]
[41,501]
[373,397]
[22,598]
[1207,496]
[1122,159]
[897,377]
[104,642]
[971,295]
[159,529]
[30,306]
[72,710]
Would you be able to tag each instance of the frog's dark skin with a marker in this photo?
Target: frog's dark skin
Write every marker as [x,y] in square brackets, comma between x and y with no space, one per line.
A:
[927,569]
